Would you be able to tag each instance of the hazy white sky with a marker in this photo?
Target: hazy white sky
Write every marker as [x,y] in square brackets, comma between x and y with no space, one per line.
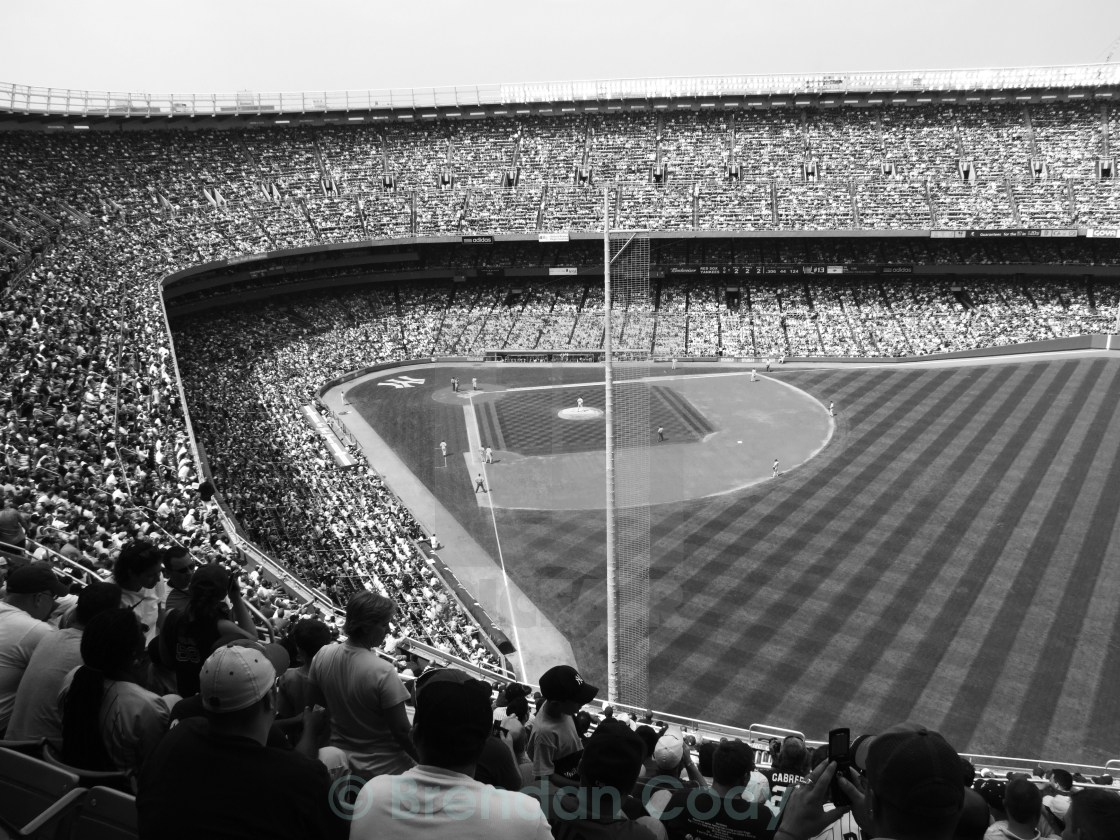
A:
[269,45]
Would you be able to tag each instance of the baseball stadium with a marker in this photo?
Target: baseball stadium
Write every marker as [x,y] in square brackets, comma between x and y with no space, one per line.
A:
[773,404]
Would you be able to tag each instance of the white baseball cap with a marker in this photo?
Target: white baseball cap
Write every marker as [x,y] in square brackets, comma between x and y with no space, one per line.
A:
[239,673]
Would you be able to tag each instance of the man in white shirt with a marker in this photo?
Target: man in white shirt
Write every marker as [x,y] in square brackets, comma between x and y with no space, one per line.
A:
[440,797]
[29,601]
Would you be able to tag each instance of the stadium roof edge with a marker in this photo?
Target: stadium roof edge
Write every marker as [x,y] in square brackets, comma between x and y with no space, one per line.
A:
[494,99]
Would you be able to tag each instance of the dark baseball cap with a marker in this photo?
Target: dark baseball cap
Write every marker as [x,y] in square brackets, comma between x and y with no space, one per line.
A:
[35,578]
[453,709]
[563,683]
[612,757]
[916,770]
[210,579]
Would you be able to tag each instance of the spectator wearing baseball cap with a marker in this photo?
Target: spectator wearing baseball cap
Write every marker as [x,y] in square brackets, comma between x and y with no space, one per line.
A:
[661,775]
[914,790]
[441,796]
[554,744]
[29,600]
[36,715]
[187,788]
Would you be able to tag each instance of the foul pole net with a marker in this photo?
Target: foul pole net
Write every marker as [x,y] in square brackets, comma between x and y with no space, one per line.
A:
[627,341]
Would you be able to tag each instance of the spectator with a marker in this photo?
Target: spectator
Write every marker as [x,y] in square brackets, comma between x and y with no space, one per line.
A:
[178,566]
[913,791]
[189,635]
[1057,800]
[308,636]
[1022,803]
[109,721]
[441,797]
[554,744]
[29,601]
[363,693]
[608,770]
[790,767]
[185,790]
[720,811]
[36,715]
[1093,814]
[672,755]
[13,538]
[137,571]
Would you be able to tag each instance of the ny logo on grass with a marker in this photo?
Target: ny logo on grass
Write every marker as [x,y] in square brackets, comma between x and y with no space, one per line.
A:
[402,382]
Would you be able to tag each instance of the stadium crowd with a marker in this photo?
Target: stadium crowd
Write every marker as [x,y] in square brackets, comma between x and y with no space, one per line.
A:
[324,738]
[102,484]
[936,166]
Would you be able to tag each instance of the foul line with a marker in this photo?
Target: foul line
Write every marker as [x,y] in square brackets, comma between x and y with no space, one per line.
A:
[474,439]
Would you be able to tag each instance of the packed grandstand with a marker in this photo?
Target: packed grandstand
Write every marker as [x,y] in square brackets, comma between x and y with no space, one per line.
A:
[787,224]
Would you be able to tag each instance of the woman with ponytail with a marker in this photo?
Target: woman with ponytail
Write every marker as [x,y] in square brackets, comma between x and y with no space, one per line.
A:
[110,722]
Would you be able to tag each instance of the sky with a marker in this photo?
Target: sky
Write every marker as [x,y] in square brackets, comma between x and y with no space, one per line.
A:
[155,46]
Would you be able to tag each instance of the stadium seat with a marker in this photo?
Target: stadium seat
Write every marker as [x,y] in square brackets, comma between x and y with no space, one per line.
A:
[117,779]
[31,747]
[105,814]
[36,798]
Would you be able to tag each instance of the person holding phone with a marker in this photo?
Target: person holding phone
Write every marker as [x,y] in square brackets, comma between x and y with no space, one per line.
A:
[911,789]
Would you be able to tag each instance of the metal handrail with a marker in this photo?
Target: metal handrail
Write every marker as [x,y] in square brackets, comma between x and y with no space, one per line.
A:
[28,99]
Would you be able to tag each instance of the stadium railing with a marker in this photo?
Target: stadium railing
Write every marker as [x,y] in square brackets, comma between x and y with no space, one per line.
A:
[26,99]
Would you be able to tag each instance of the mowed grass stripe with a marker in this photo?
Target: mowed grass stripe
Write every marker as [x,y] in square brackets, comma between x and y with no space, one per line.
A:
[1091,532]
[1104,718]
[1039,702]
[940,644]
[873,664]
[915,391]
[850,620]
[988,633]
[999,525]
[888,601]
[676,405]
[775,502]
[834,583]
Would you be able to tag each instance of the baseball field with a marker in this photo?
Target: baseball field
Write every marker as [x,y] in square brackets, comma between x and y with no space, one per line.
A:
[943,550]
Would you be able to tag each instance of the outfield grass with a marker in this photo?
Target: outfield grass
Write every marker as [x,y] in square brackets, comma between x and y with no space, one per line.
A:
[945,559]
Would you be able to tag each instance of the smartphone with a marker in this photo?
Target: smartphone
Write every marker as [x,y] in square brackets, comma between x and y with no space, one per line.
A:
[839,750]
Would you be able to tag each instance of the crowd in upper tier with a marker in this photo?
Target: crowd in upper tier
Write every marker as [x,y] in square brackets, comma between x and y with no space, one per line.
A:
[931,166]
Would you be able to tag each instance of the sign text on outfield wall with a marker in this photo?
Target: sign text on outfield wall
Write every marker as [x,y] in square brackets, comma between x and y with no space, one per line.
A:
[478,240]
[1003,233]
[562,271]
[561,236]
